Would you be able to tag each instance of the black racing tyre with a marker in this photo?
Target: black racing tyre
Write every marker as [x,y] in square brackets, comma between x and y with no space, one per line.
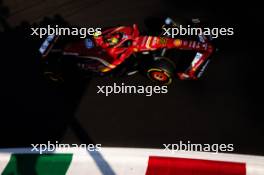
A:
[161,71]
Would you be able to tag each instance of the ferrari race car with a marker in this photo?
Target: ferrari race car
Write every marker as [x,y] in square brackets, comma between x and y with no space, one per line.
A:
[124,51]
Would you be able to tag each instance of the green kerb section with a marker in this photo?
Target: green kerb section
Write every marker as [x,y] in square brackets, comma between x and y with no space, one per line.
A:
[36,164]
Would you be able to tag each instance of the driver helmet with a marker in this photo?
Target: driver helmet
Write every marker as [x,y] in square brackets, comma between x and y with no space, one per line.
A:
[113,39]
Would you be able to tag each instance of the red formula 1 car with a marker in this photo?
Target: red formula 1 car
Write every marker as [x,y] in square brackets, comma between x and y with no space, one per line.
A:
[160,58]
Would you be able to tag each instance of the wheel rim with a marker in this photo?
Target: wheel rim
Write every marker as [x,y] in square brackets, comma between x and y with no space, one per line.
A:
[159,75]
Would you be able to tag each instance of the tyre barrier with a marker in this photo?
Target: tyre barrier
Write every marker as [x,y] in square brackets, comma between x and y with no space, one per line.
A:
[126,161]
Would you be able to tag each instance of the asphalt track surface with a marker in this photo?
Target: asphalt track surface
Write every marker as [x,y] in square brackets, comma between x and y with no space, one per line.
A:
[224,107]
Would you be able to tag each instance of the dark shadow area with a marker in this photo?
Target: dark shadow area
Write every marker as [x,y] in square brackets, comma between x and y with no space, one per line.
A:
[4,13]
[32,109]
[80,132]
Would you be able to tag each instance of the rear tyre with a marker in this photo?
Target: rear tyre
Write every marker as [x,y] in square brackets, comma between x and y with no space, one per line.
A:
[161,71]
